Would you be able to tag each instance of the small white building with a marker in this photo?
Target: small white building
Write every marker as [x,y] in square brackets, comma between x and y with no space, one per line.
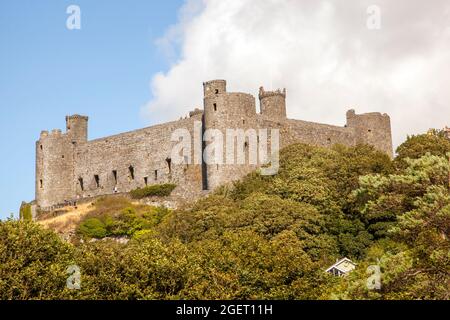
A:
[341,267]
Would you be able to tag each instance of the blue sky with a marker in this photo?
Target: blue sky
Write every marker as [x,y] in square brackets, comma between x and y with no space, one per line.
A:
[47,72]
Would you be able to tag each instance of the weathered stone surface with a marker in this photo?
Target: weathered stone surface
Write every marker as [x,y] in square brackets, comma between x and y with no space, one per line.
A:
[70,168]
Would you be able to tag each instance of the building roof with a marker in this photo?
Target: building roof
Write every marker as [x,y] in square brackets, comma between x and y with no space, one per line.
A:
[341,265]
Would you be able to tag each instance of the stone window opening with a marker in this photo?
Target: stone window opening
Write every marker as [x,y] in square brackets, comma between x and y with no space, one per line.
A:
[329,139]
[62,156]
[41,147]
[217,91]
[156,175]
[169,164]
[243,121]
[80,181]
[146,181]
[369,130]
[215,106]
[115,176]
[41,184]
[97,180]
[131,169]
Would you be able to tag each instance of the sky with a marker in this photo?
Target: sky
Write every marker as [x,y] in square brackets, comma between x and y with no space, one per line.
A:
[138,63]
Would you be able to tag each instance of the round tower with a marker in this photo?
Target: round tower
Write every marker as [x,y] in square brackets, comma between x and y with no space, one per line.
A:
[273,103]
[77,128]
[54,168]
[213,87]
[222,111]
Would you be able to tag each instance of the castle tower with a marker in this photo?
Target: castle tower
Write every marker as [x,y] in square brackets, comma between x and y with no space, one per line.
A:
[54,168]
[55,182]
[224,110]
[77,128]
[371,128]
[213,87]
[273,103]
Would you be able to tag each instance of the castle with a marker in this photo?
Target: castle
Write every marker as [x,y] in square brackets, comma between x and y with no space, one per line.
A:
[70,167]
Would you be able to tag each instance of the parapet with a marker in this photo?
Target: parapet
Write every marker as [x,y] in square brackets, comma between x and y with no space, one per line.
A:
[278,92]
[195,112]
[77,117]
[214,87]
[56,132]
[351,113]
[44,134]
[273,103]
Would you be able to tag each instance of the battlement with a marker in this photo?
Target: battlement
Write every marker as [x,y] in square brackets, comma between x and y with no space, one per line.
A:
[55,133]
[77,117]
[195,112]
[264,94]
[214,87]
[352,113]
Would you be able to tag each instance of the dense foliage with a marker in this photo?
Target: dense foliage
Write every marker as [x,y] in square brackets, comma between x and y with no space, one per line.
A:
[158,190]
[267,237]
[25,212]
[119,217]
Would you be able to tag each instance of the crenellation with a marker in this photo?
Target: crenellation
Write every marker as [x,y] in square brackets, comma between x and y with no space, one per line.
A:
[69,167]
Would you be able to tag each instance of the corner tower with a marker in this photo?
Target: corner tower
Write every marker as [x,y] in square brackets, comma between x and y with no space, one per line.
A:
[55,182]
[372,128]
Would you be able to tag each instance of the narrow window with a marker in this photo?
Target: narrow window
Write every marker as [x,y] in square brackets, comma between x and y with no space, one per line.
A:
[369,130]
[243,121]
[41,146]
[156,175]
[131,169]
[62,156]
[41,184]
[80,181]
[169,164]
[115,176]
[246,145]
[217,91]
[146,181]
[215,106]
[97,180]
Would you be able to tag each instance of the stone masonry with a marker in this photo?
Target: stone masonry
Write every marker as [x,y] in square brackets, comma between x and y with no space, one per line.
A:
[69,167]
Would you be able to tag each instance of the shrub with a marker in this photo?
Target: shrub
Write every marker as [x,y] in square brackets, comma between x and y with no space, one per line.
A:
[25,212]
[158,190]
[33,262]
[93,228]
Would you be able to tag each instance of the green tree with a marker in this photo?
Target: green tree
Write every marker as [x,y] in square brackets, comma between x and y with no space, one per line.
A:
[416,146]
[33,262]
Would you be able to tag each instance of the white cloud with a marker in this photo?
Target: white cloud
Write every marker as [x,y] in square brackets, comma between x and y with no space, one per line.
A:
[321,51]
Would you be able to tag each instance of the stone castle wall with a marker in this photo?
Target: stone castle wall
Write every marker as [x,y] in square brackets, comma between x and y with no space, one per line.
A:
[69,167]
